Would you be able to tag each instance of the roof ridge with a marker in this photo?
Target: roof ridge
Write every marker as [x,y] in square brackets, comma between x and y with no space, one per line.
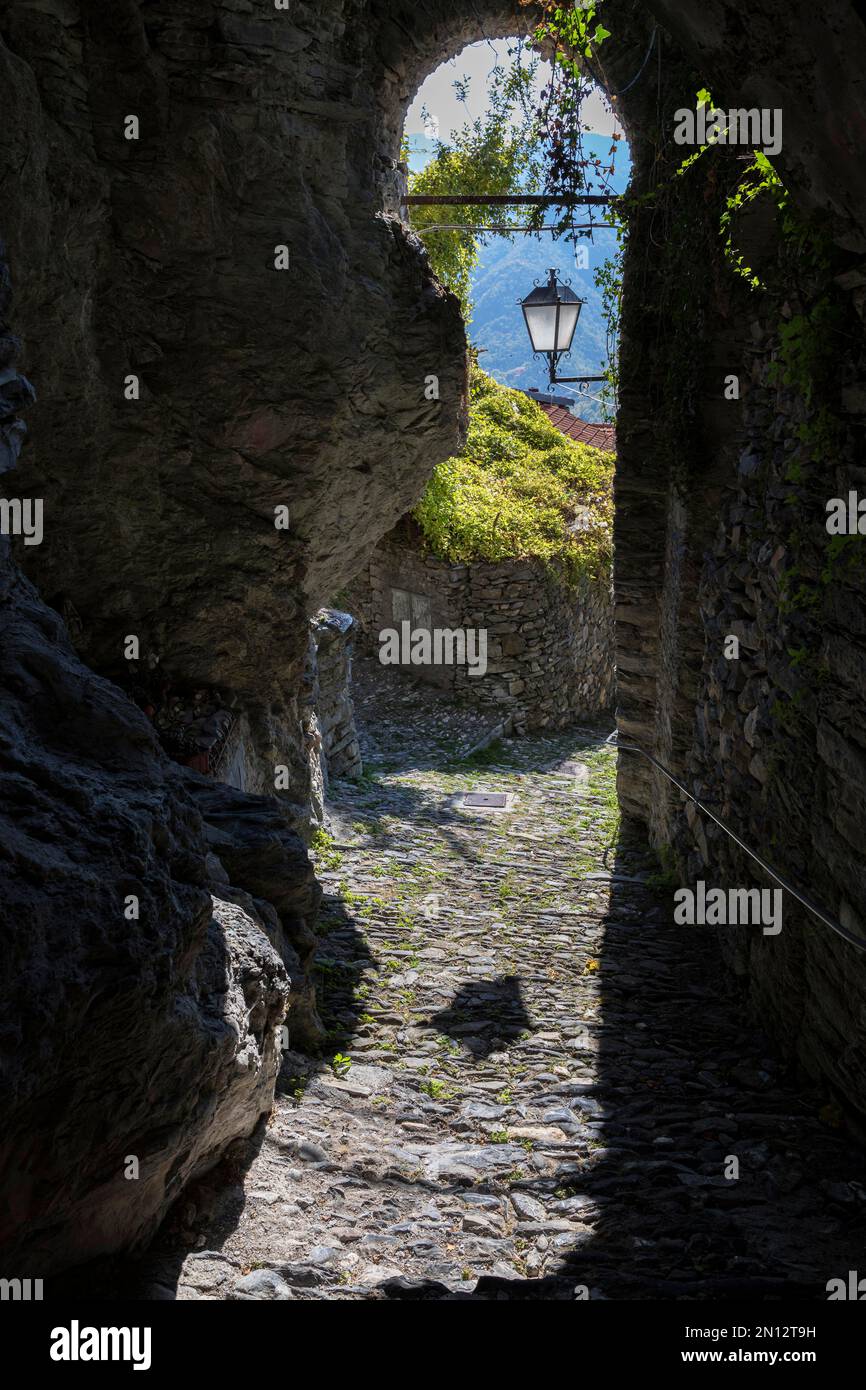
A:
[599,436]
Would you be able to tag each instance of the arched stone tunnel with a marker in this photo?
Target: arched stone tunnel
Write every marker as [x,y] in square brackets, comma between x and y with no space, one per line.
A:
[257,388]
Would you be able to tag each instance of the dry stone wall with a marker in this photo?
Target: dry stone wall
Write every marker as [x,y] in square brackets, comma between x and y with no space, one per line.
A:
[779,742]
[549,654]
[720,514]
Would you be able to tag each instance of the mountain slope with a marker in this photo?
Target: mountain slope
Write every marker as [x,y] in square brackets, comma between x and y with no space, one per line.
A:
[508,269]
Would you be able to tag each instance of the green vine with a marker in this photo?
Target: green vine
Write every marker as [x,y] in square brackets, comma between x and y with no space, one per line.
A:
[608,278]
[759,178]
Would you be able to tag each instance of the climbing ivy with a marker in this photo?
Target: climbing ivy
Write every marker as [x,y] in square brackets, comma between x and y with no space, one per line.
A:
[572,35]
[759,178]
[608,278]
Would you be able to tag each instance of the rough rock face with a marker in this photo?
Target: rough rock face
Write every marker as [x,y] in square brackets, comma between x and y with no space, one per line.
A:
[266,858]
[138,1014]
[155,257]
[164,1024]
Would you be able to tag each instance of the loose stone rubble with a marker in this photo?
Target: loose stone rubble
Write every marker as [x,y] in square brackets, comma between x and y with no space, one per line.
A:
[547,1079]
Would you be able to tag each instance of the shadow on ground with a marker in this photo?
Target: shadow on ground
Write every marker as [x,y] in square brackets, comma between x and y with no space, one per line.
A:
[707,1169]
[693,1166]
[688,1091]
[485,1015]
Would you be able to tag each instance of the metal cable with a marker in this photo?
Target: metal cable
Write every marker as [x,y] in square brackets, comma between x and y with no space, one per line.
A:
[811,906]
[628,86]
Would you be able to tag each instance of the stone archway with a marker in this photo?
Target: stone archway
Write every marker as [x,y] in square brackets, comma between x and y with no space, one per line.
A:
[263,387]
[168,244]
[692,532]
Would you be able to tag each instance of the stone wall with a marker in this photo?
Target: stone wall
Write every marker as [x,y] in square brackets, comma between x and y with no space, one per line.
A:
[719,524]
[333,634]
[779,743]
[550,658]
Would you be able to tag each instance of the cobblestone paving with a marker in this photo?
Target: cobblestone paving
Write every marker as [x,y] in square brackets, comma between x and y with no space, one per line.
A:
[547,1078]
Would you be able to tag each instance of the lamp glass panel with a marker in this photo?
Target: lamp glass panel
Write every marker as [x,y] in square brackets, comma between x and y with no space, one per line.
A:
[568,314]
[541,322]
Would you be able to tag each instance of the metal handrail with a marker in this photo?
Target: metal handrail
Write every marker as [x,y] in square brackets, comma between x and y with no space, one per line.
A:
[811,906]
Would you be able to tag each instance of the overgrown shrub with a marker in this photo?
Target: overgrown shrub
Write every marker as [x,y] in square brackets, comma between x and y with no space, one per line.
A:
[521,489]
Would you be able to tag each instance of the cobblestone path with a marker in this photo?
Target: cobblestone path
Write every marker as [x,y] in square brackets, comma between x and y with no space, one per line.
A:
[547,1079]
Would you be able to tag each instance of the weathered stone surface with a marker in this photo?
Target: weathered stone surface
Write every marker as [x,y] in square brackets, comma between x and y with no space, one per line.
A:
[333,637]
[549,648]
[264,856]
[152,1037]
[778,742]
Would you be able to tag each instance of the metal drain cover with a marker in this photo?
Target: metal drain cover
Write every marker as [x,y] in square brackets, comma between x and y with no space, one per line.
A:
[497,801]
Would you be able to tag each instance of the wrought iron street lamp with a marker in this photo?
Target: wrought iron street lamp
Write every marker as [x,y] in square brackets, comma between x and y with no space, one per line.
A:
[551,313]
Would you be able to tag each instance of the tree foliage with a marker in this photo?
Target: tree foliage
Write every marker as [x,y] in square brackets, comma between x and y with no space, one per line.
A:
[494,153]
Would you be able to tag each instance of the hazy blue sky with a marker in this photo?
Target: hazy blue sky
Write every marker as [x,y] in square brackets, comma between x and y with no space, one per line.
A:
[475,62]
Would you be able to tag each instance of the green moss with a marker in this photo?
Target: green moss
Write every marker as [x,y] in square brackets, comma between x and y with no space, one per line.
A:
[807,363]
[493,754]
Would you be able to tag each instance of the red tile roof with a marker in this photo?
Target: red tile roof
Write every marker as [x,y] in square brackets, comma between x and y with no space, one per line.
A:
[598,436]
